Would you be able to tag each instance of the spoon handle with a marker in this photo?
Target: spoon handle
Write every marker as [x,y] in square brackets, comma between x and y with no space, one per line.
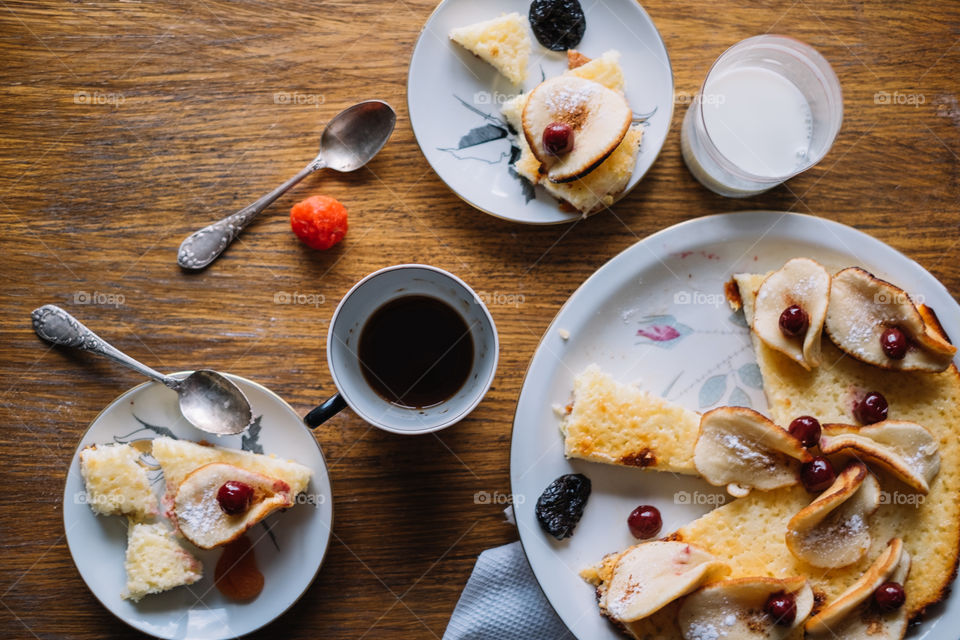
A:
[202,247]
[56,326]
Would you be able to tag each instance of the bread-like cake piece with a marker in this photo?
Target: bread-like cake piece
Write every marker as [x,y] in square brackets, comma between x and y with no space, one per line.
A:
[598,188]
[116,483]
[930,524]
[503,42]
[619,424]
[155,562]
[178,458]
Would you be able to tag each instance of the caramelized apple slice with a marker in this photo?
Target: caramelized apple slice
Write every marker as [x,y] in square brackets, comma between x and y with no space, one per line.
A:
[852,617]
[833,530]
[743,450]
[863,307]
[198,512]
[803,283]
[651,575]
[904,449]
[735,609]
[598,117]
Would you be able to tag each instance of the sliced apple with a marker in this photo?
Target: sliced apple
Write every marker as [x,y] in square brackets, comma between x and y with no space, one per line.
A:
[197,511]
[599,118]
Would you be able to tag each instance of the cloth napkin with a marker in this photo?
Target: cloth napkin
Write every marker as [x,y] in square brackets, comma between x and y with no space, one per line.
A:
[502,601]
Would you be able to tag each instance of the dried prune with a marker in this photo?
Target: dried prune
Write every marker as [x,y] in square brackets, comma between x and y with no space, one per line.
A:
[558,24]
[561,504]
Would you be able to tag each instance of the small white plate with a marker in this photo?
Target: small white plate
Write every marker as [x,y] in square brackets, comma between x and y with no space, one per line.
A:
[289,546]
[656,314]
[454,100]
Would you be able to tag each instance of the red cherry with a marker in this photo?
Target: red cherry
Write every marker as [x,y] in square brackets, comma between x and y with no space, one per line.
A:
[558,138]
[817,475]
[894,343]
[645,522]
[794,321]
[782,607]
[889,596]
[806,429]
[871,408]
[234,497]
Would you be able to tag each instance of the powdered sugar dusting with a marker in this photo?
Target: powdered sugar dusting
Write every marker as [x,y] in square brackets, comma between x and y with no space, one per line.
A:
[567,100]
[201,517]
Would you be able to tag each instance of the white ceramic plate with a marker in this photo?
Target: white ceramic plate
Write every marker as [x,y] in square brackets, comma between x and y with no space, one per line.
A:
[454,99]
[289,554]
[656,314]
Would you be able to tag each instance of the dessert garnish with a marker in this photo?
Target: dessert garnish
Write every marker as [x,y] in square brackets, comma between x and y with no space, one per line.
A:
[645,522]
[871,408]
[598,118]
[502,42]
[234,497]
[558,138]
[790,308]
[878,323]
[833,531]
[794,321]
[198,512]
[319,221]
[905,449]
[742,449]
[557,24]
[560,506]
[817,474]
[746,609]
[806,429]
[889,596]
[848,616]
[650,575]
[236,574]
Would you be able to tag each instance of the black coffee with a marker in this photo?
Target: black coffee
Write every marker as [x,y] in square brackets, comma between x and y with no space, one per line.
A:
[416,351]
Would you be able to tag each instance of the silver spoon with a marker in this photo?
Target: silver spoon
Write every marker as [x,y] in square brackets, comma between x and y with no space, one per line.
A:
[208,400]
[350,140]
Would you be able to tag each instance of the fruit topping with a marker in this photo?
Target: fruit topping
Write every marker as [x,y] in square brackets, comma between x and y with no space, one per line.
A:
[894,343]
[806,429]
[889,596]
[561,504]
[782,608]
[871,408]
[754,608]
[319,221]
[234,497]
[557,24]
[645,522]
[558,138]
[794,321]
[817,475]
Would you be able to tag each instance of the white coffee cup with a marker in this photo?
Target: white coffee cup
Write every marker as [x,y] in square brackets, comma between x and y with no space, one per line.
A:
[343,338]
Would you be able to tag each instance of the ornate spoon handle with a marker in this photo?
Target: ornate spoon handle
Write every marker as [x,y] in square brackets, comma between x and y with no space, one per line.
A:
[56,326]
[204,246]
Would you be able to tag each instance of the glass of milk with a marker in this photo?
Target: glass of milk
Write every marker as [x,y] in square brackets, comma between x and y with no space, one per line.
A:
[769,108]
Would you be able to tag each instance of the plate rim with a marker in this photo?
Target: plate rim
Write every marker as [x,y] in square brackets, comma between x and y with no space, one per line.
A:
[745,213]
[117,401]
[576,215]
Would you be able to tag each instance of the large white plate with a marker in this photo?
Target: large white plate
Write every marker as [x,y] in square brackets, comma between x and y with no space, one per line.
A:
[669,286]
[451,93]
[289,547]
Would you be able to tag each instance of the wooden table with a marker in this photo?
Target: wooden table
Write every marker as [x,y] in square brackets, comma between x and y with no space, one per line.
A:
[125,126]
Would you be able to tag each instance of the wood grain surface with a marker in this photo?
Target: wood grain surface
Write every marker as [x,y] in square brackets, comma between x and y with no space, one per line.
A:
[126,125]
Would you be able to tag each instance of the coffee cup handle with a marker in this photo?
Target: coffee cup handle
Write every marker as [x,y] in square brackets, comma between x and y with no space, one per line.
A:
[334,405]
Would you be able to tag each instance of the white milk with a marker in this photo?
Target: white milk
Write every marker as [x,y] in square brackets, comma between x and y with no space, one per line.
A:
[759,120]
